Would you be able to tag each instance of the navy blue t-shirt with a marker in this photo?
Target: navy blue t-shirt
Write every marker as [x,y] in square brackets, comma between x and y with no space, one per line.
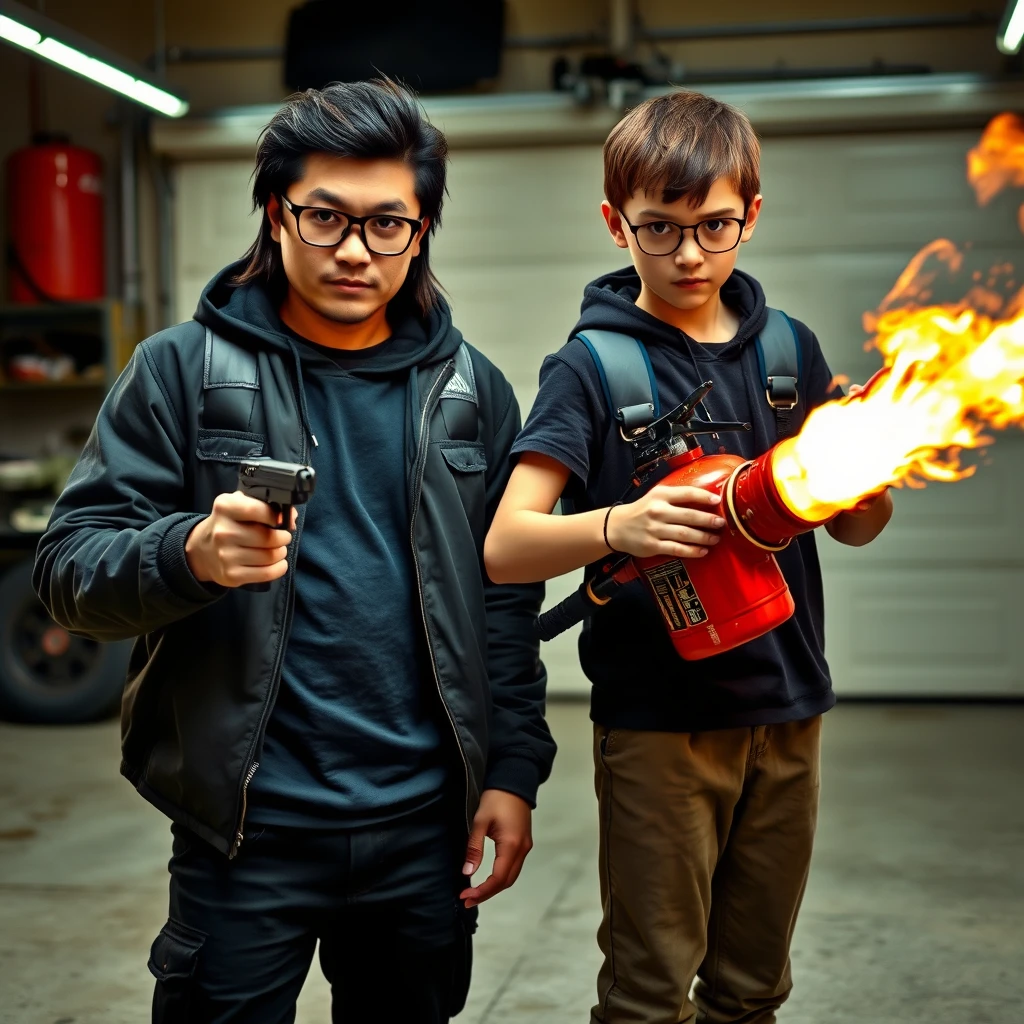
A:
[639,681]
[353,738]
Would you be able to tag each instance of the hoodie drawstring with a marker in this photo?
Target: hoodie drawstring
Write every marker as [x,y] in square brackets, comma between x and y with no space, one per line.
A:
[303,410]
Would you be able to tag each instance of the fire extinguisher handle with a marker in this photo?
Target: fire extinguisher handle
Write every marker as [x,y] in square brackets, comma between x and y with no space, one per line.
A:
[573,609]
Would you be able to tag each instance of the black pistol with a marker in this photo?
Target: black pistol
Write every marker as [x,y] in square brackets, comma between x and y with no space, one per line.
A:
[281,485]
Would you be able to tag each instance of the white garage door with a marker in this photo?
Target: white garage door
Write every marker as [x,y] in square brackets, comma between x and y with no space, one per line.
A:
[932,607]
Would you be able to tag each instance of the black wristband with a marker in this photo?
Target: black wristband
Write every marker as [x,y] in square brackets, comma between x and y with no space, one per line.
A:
[607,516]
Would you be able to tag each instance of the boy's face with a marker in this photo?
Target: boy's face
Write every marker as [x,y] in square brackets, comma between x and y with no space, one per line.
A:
[345,282]
[689,276]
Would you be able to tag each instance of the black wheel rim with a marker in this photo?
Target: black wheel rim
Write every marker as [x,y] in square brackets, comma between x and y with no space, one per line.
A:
[61,665]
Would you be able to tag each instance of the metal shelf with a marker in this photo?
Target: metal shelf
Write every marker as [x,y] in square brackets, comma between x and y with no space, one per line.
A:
[103,317]
[29,407]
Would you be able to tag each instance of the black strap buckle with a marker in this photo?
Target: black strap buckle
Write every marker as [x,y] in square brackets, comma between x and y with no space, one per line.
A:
[782,393]
[635,417]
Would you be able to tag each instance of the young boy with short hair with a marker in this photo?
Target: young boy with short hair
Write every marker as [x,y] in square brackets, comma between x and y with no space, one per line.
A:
[706,771]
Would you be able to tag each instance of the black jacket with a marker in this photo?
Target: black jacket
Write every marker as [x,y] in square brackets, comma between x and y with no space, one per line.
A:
[206,666]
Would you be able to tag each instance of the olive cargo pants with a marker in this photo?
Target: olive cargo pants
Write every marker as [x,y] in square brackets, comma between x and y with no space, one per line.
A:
[705,850]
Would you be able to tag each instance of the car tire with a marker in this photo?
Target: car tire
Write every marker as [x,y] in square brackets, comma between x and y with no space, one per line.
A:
[47,675]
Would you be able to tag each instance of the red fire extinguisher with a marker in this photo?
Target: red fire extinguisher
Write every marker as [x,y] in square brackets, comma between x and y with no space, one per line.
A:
[55,218]
[734,594]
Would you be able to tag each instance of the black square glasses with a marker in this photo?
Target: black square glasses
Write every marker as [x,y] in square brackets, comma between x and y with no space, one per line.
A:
[383,234]
[663,237]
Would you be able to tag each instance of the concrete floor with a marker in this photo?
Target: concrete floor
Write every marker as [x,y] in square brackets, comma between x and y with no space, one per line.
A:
[915,910]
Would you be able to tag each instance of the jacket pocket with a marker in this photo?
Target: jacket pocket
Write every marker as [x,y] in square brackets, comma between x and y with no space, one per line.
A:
[468,462]
[172,961]
[228,445]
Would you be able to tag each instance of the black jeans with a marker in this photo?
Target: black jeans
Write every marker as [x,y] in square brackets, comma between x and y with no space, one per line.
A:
[395,942]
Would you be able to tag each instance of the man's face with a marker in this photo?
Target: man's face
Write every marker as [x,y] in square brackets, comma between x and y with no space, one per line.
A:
[689,276]
[345,282]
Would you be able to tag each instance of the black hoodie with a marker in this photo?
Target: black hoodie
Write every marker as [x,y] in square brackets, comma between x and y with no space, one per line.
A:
[354,736]
[639,680]
[206,669]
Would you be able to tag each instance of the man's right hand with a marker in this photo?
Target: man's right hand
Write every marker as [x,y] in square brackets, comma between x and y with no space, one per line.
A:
[663,522]
[239,542]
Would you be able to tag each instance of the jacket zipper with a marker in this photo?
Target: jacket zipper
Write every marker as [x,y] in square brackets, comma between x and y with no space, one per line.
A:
[245,793]
[274,687]
[442,380]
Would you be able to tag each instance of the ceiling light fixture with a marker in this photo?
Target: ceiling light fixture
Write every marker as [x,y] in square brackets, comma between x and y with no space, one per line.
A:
[22,27]
[1011,28]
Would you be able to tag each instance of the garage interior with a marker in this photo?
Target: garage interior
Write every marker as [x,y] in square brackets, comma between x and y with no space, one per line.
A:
[866,119]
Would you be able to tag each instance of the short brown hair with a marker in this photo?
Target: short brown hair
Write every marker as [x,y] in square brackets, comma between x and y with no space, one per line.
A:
[682,143]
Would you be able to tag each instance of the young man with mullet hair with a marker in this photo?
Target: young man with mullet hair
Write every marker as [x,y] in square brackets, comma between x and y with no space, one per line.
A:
[706,771]
[334,745]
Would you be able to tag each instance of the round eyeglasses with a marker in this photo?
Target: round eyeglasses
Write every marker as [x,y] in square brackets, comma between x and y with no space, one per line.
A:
[662,237]
[383,234]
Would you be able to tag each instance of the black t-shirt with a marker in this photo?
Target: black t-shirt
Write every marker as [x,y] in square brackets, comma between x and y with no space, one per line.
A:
[353,738]
[639,680]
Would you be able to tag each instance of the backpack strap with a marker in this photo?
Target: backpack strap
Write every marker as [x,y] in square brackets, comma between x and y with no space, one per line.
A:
[626,377]
[778,358]
[459,403]
[231,387]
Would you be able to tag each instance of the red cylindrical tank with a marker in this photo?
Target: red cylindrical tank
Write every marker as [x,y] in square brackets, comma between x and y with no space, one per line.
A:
[736,592]
[55,220]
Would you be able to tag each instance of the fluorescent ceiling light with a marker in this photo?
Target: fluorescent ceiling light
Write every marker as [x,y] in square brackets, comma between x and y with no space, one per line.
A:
[46,39]
[1011,29]
[20,35]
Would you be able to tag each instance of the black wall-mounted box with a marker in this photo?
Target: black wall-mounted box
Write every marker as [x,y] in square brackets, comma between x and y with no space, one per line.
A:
[431,45]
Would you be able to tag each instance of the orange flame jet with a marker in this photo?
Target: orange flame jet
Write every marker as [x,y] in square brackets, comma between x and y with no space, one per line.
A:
[950,372]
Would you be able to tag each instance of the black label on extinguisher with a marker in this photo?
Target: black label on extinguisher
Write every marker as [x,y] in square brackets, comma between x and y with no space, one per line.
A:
[676,595]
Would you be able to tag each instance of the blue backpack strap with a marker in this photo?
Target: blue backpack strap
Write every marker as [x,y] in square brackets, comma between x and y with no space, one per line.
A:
[627,378]
[459,403]
[231,387]
[778,358]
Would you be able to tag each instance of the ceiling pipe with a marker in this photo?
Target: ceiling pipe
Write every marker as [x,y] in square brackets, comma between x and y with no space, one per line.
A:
[690,33]
[215,54]
[816,26]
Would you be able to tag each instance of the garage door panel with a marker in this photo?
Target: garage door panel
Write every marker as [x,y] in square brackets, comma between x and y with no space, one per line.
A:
[830,294]
[516,315]
[924,631]
[188,290]
[832,194]
[863,191]
[510,207]
[214,226]
[782,165]
[887,180]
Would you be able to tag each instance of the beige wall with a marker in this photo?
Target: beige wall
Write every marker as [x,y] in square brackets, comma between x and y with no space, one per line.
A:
[126,26]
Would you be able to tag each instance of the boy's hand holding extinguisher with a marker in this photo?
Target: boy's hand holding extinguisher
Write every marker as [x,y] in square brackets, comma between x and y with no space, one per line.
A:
[663,522]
